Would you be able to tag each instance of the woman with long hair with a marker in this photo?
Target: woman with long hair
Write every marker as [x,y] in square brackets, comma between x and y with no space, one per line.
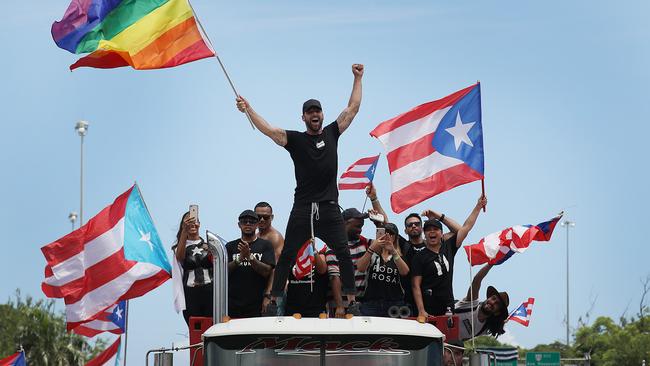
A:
[385,266]
[191,252]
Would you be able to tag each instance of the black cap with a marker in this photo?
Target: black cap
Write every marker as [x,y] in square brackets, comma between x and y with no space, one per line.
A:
[432,223]
[311,103]
[248,213]
[353,213]
[391,228]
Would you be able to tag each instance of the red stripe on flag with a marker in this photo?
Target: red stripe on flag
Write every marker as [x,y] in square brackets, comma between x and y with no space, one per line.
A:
[409,153]
[102,59]
[365,161]
[94,277]
[419,112]
[354,175]
[428,187]
[73,243]
[90,332]
[106,355]
[194,52]
[478,255]
[138,288]
[344,186]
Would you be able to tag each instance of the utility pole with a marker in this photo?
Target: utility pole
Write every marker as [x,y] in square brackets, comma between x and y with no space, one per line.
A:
[568,224]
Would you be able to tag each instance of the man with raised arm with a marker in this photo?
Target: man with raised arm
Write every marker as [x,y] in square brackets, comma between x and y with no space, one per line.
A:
[315,158]
[433,267]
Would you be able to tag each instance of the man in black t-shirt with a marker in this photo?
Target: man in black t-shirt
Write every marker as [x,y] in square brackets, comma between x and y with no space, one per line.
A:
[315,210]
[432,269]
[250,262]
[415,244]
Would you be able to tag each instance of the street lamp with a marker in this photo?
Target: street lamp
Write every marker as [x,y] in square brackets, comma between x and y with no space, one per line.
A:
[72,217]
[82,128]
[568,224]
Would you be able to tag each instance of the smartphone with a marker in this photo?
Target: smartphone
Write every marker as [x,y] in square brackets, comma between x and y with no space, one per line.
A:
[380,232]
[375,216]
[194,212]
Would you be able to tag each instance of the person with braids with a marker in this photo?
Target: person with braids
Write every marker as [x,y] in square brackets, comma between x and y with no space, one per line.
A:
[489,315]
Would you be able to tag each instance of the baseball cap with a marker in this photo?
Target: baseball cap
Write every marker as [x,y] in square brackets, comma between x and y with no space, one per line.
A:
[248,213]
[353,213]
[432,223]
[311,103]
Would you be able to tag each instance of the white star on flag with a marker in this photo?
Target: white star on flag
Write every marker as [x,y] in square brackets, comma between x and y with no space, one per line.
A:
[146,238]
[118,312]
[197,250]
[459,131]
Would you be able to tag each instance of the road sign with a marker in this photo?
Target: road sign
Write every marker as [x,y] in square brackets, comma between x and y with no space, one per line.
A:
[543,359]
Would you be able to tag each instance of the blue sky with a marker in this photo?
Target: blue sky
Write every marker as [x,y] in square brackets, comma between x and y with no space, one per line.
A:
[564,92]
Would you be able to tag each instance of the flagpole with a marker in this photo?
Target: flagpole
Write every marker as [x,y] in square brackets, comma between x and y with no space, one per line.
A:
[471,297]
[233,88]
[203,32]
[126,331]
[483,191]
[373,178]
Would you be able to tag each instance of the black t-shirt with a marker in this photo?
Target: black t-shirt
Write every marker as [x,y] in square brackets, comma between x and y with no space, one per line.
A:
[197,264]
[384,281]
[303,298]
[245,286]
[437,270]
[409,251]
[315,162]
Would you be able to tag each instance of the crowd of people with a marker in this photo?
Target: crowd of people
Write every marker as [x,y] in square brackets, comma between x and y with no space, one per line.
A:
[394,275]
[388,276]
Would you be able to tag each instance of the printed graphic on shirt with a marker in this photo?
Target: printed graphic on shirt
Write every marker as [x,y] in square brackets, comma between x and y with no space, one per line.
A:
[384,273]
[245,262]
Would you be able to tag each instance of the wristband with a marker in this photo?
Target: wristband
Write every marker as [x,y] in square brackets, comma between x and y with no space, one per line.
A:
[371,251]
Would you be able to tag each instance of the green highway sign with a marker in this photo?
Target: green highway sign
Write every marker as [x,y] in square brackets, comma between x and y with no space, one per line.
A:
[543,359]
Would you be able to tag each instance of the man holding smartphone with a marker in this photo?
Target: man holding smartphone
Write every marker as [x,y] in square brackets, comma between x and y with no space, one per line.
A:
[315,210]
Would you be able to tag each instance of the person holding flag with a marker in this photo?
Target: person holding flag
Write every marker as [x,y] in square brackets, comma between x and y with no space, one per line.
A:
[489,315]
[308,282]
[315,212]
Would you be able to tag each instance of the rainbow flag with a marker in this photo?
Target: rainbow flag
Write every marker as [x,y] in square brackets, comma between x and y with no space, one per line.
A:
[145,34]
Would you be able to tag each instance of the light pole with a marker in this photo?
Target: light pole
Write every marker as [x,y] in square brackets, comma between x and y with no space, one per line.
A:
[72,217]
[82,129]
[568,224]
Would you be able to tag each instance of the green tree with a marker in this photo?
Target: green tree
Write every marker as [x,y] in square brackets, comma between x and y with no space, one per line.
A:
[42,333]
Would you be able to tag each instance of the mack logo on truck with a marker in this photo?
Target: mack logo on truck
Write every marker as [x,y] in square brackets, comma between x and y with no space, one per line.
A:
[305,344]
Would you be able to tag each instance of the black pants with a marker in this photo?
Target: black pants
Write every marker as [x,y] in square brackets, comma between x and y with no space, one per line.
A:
[198,302]
[330,228]
[435,304]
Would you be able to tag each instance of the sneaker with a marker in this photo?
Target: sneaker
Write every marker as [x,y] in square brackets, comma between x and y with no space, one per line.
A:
[354,308]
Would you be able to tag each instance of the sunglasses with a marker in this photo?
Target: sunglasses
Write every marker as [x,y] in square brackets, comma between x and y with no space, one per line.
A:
[414,223]
[264,217]
[248,221]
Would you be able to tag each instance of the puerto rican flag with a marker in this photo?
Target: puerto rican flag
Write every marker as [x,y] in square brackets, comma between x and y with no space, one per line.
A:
[111,320]
[498,247]
[117,255]
[304,261]
[360,174]
[434,147]
[17,359]
[109,357]
[522,314]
